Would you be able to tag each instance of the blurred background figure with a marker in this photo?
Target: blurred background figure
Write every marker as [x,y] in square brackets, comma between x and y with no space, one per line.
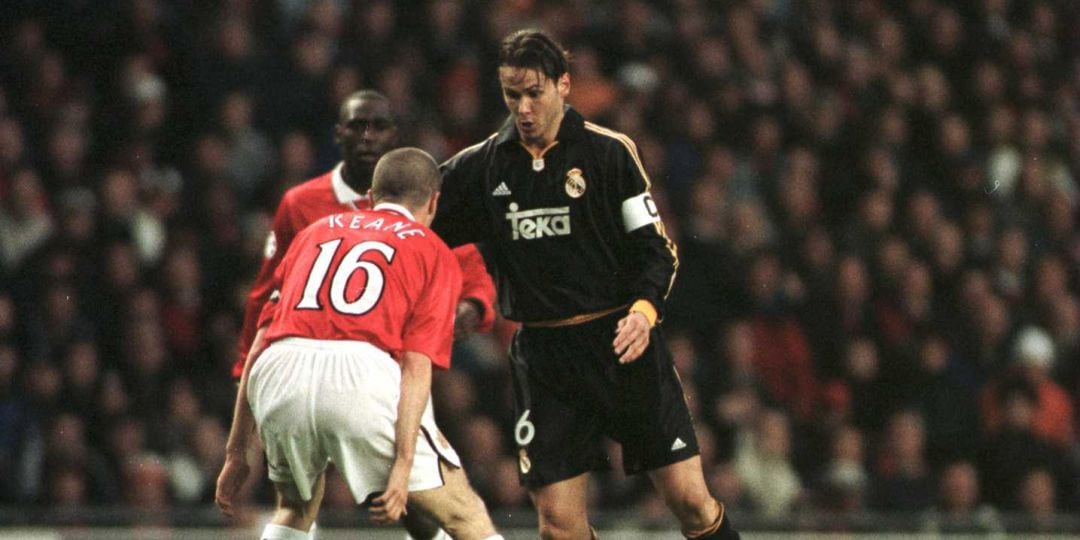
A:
[959,506]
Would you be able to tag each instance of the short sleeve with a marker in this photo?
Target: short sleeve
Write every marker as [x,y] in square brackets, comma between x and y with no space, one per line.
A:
[430,327]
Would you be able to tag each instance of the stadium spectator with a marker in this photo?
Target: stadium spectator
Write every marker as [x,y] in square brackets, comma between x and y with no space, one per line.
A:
[1009,456]
[844,483]
[1054,416]
[947,404]
[959,507]
[25,221]
[902,480]
[763,462]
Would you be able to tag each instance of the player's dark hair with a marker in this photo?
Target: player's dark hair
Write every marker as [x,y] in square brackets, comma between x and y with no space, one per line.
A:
[407,176]
[533,49]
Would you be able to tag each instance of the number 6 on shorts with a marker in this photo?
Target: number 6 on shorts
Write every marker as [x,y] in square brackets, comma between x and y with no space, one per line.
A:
[524,430]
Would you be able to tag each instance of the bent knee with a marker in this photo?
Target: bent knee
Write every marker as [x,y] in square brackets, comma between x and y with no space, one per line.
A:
[559,525]
[468,518]
[694,508]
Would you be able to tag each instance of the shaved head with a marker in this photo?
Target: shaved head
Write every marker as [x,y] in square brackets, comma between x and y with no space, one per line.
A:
[407,176]
[344,111]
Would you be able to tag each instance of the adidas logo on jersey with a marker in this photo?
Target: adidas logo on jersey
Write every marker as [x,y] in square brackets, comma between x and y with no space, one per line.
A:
[677,445]
[539,222]
[501,190]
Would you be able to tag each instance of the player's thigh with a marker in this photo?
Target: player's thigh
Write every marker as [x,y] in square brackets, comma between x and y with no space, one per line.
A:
[681,484]
[455,506]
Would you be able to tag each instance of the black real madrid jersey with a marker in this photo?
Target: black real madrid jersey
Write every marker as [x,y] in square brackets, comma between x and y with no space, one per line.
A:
[572,232]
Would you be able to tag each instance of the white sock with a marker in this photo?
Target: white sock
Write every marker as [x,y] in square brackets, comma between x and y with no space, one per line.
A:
[281,532]
[311,532]
[441,535]
[495,537]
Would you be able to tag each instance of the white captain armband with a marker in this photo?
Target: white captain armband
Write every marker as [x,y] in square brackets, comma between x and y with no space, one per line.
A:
[639,211]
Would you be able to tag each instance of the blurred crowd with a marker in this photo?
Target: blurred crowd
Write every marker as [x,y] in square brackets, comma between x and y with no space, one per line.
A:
[876,205]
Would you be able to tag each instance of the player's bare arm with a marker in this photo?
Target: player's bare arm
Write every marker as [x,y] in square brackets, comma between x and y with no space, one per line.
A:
[240,449]
[415,389]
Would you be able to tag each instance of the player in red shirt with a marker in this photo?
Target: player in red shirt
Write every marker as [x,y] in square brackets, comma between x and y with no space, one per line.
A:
[365,131]
[364,304]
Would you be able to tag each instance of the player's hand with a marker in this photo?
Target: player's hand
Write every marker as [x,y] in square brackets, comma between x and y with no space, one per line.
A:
[390,506]
[467,319]
[233,475]
[631,337]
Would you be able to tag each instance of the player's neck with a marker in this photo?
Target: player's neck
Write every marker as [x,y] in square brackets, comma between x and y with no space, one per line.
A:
[359,180]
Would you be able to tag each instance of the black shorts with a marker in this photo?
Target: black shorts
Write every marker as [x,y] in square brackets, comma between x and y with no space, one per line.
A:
[570,390]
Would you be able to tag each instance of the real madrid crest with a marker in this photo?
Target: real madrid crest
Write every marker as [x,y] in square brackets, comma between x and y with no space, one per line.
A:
[575,183]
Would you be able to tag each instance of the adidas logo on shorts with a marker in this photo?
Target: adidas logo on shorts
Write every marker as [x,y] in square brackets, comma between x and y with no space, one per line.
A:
[501,190]
[677,445]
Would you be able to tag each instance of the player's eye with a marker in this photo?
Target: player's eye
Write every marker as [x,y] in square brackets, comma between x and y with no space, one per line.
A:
[377,124]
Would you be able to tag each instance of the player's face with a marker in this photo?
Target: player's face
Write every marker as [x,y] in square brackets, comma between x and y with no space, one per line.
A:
[365,131]
[535,101]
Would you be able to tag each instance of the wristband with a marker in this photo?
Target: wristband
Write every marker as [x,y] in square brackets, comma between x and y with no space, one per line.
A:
[645,308]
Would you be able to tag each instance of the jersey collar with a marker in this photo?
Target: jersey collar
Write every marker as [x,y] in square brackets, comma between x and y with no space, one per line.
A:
[396,208]
[571,128]
[342,192]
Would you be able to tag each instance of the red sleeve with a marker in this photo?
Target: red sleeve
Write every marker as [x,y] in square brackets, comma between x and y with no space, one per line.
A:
[476,284]
[430,328]
[281,235]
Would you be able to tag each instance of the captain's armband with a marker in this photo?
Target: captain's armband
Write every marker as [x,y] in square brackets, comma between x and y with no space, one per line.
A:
[639,211]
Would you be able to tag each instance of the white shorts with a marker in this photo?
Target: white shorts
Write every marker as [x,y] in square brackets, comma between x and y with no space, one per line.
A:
[319,401]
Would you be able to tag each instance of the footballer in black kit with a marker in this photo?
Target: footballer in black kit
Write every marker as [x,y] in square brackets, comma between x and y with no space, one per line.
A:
[575,236]
[573,231]
[580,257]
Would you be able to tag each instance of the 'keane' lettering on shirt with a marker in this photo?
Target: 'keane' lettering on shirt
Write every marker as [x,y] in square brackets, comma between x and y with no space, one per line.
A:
[402,229]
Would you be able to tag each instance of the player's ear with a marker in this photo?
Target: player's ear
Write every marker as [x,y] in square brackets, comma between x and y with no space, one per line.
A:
[370,195]
[563,85]
[433,203]
[338,135]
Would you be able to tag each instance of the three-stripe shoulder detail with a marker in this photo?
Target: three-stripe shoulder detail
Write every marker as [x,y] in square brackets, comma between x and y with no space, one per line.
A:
[626,142]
